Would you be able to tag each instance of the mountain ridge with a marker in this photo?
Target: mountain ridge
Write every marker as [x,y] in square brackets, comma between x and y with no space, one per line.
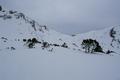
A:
[18,26]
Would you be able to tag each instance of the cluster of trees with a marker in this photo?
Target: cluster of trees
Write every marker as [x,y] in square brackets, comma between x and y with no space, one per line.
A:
[32,41]
[91,46]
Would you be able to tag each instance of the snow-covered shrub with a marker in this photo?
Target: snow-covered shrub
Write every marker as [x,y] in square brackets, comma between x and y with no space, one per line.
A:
[5,16]
[20,15]
[31,42]
[12,48]
[91,46]
[57,45]
[24,40]
[34,40]
[31,45]
[109,51]
[45,45]
[64,45]
[12,12]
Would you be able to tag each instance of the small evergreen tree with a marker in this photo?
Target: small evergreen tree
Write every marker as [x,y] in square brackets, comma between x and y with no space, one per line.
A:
[34,40]
[31,45]
[24,40]
[0,8]
[98,47]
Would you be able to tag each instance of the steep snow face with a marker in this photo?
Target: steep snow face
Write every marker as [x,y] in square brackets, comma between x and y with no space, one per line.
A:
[108,38]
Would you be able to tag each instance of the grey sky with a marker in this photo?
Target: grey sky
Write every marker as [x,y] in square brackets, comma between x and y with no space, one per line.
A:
[69,16]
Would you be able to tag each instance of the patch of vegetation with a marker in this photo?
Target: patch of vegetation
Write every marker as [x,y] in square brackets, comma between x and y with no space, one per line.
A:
[4,39]
[112,33]
[45,45]
[24,40]
[12,12]
[73,35]
[57,45]
[11,48]
[109,51]
[91,46]
[64,45]
[20,15]
[31,42]
[5,16]
[0,8]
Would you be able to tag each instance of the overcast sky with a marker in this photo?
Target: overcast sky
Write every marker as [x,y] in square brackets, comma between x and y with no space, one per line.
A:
[69,16]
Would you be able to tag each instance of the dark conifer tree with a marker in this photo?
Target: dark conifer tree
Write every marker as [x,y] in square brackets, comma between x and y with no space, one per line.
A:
[91,46]
[0,8]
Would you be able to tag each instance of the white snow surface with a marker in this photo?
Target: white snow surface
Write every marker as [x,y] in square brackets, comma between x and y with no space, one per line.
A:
[60,64]
[37,64]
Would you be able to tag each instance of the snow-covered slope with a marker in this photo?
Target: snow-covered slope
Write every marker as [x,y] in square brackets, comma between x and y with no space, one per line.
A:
[62,64]
[15,26]
[56,61]
[108,38]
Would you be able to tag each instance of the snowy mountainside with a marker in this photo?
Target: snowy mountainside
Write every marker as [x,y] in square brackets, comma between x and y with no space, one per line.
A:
[25,55]
[108,38]
[16,26]
[18,31]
